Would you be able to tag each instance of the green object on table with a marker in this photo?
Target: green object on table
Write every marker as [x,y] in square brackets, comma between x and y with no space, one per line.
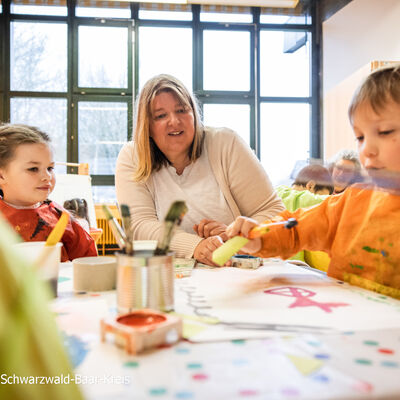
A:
[228,249]
[30,345]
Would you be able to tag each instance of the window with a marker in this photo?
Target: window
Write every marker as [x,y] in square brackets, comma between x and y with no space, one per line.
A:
[105,9]
[284,63]
[77,76]
[34,111]
[284,138]
[55,8]
[233,116]
[165,50]
[226,60]
[103,57]
[38,56]
[102,130]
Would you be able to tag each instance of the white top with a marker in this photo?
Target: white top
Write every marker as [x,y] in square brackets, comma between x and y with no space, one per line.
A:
[196,186]
[239,174]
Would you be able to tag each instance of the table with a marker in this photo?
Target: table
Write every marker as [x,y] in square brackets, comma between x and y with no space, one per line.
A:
[286,333]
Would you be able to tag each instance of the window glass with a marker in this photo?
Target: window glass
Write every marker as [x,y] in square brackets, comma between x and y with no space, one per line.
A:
[165,50]
[104,194]
[102,131]
[44,9]
[38,56]
[103,9]
[35,112]
[284,64]
[285,138]
[284,19]
[103,57]
[298,15]
[213,13]
[226,60]
[171,12]
[233,116]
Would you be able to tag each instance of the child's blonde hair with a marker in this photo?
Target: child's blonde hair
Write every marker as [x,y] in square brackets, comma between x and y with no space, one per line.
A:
[149,155]
[13,135]
[380,87]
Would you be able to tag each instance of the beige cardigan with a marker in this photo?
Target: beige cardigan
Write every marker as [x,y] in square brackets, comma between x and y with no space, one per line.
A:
[242,179]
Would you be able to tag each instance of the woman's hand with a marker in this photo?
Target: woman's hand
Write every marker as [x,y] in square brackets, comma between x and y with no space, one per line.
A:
[208,227]
[242,226]
[204,250]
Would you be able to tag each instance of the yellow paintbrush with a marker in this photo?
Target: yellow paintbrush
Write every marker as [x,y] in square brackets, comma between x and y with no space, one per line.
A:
[232,246]
[54,237]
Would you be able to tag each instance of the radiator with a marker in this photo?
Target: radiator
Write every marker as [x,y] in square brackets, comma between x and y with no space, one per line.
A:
[106,240]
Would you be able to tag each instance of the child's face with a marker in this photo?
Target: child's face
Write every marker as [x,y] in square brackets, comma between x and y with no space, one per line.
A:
[29,176]
[378,137]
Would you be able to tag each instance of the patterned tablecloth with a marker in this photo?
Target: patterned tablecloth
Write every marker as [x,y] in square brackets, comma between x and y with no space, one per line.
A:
[279,332]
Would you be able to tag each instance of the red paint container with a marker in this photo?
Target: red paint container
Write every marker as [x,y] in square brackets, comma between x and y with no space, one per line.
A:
[142,329]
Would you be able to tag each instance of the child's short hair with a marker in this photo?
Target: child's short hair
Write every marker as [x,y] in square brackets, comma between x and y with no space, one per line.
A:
[377,89]
[78,207]
[317,173]
[13,135]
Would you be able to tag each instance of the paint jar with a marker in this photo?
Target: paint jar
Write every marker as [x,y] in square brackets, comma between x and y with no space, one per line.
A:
[48,271]
[145,281]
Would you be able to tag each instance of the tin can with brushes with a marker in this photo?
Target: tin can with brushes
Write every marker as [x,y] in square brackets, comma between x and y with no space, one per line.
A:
[145,281]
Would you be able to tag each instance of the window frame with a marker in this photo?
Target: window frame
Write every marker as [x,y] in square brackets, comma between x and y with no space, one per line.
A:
[252,97]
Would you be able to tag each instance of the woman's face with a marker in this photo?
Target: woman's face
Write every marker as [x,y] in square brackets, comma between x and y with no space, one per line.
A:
[171,126]
[343,173]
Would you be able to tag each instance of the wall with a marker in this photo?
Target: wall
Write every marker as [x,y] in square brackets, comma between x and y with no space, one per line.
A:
[362,31]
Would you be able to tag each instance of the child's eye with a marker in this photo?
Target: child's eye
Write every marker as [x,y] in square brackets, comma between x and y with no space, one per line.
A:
[33,169]
[50,169]
[388,132]
[359,138]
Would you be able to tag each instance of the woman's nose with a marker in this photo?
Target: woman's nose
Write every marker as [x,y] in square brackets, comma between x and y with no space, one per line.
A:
[173,119]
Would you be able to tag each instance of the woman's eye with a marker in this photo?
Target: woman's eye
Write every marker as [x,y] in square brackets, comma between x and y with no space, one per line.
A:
[159,116]
[33,169]
[181,110]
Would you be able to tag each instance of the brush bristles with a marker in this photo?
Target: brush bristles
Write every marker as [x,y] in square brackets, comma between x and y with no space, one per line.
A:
[107,212]
[177,210]
[125,211]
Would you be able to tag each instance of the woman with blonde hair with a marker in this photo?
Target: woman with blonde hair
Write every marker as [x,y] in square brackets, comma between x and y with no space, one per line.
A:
[174,157]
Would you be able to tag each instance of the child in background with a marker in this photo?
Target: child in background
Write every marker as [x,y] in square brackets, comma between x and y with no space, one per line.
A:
[26,180]
[79,209]
[312,185]
[359,228]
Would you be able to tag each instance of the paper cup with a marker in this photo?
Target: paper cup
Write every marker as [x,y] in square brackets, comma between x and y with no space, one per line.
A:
[144,245]
[48,271]
[94,274]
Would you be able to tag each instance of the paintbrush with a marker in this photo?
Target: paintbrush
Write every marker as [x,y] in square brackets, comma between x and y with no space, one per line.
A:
[232,246]
[54,237]
[116,229]
[173,218]
[126,224]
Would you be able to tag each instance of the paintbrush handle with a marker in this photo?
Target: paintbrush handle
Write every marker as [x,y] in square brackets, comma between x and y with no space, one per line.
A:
[262,229]
[118,233]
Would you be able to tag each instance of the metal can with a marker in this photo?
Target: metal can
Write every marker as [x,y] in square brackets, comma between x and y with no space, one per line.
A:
[145,281]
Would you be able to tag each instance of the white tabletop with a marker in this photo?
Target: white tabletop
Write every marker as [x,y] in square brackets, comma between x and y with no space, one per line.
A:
[279,332]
